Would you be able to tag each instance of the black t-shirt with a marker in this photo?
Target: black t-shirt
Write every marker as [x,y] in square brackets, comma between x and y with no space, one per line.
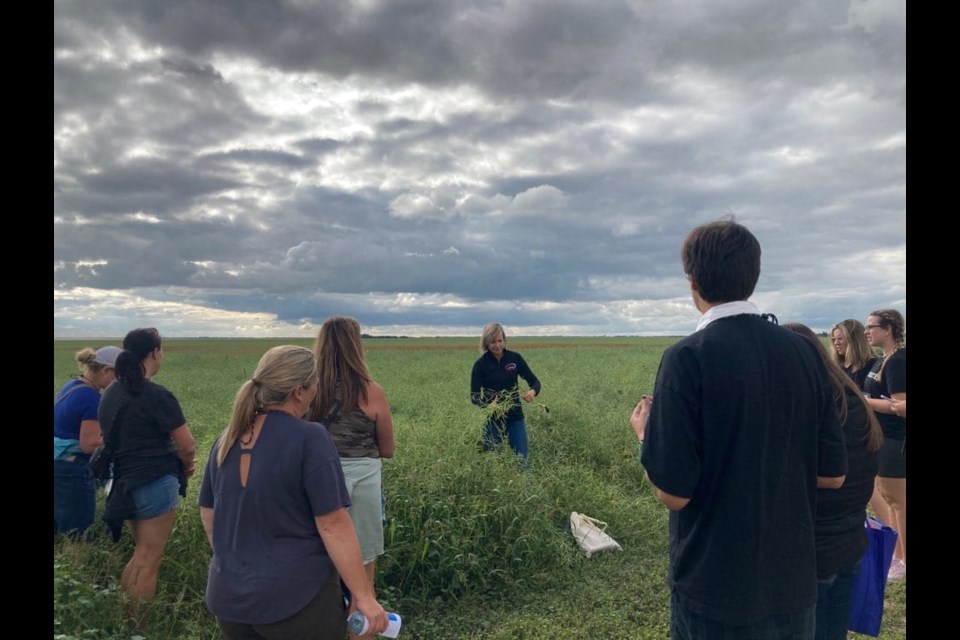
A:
[893,379]
[146,451]
[743,421]
[859,376]
[841,538]
[491,378]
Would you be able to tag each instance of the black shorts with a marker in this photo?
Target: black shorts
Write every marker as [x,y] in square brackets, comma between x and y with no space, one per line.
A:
[893,459]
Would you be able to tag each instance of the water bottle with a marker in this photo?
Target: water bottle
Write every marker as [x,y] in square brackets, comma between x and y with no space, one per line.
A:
[357,624]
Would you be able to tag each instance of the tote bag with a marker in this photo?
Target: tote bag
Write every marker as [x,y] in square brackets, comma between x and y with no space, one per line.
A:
[590,535]
[870,583]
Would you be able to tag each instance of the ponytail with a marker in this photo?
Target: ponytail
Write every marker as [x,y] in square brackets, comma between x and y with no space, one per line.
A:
[137,345]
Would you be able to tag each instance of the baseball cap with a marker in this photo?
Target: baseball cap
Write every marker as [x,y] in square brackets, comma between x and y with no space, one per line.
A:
[107,356]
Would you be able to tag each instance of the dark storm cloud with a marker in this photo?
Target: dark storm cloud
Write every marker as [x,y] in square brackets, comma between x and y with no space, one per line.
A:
[431,162]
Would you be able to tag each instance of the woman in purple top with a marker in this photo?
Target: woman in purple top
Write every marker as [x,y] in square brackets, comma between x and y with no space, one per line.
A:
[274,507]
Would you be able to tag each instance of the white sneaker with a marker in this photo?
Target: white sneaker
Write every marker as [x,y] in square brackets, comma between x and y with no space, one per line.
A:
[898,570]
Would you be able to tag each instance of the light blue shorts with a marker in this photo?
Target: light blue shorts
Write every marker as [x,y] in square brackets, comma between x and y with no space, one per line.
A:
[362,476]
[156,498]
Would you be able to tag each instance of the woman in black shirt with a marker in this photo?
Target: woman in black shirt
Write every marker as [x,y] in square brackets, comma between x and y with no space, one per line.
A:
[493,386]
[839,532]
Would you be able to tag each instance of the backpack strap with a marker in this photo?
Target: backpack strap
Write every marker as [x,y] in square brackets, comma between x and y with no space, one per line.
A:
[82,383]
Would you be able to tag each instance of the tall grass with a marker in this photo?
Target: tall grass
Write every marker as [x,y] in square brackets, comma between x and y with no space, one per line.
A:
[476,547]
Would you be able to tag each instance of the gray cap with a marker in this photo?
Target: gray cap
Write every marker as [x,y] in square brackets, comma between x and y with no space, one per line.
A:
[107,356]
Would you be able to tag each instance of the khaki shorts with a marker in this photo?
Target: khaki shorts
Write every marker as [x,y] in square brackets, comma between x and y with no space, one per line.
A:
[362,476]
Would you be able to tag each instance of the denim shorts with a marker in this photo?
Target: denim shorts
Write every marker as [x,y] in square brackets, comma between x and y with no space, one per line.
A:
[156,498]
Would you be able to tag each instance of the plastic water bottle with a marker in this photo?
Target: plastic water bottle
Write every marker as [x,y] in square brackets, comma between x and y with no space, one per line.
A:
[357,624]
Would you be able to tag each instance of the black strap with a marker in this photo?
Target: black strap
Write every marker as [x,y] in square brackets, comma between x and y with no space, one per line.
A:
[769,317]
[334,412]
[113,438]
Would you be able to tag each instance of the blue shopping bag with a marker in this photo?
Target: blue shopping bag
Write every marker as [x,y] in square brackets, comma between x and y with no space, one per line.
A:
[870,583]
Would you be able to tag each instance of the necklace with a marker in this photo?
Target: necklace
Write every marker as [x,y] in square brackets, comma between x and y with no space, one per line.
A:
[247,436]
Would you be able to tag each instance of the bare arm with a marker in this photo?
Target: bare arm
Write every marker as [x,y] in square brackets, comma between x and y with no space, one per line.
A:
[90,436]
[186,448]
[378,408]
[206,517]
[340,539]
[899,406]
[640,416]
[885,405]
[638,421]
[670,501]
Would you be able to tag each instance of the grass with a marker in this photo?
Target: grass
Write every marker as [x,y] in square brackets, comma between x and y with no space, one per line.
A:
[475,547]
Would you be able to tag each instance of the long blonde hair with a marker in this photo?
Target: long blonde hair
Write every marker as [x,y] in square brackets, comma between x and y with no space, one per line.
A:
[340,361]
[858,351]
[278,374]
[842,386]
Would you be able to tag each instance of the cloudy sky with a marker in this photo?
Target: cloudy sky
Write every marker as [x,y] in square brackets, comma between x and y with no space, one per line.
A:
[248,168]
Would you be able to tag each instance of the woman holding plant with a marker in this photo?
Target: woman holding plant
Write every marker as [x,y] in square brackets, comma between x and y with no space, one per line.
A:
[494,387]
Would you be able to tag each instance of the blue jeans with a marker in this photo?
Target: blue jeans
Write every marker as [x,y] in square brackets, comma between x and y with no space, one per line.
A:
[833,603]
[74,497]
[516,434]
[688,625]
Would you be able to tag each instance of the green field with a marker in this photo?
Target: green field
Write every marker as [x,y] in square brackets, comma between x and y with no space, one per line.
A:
[475,547]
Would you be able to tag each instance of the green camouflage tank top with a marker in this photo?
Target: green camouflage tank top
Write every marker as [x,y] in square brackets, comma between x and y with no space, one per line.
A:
[355,435]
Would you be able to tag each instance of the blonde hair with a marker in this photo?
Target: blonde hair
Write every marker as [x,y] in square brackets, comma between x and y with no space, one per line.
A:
[490,332]
[278,374]
[858,351]
[340,361]
[842,386]
[86,358]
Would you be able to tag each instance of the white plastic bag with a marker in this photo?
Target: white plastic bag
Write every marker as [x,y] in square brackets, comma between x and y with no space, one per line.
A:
[590,535]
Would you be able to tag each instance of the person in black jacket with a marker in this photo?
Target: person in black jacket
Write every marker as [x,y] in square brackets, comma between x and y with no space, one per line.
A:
[493,386]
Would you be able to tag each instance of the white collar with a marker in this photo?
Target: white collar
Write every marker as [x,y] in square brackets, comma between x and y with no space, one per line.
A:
[736,308]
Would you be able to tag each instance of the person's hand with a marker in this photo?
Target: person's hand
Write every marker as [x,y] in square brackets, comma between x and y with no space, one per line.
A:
[899,407]
[376,616]
[188,469]
[640,415]
[529,395]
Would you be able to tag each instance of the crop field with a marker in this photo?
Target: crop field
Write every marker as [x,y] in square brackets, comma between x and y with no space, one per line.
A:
[475,547]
